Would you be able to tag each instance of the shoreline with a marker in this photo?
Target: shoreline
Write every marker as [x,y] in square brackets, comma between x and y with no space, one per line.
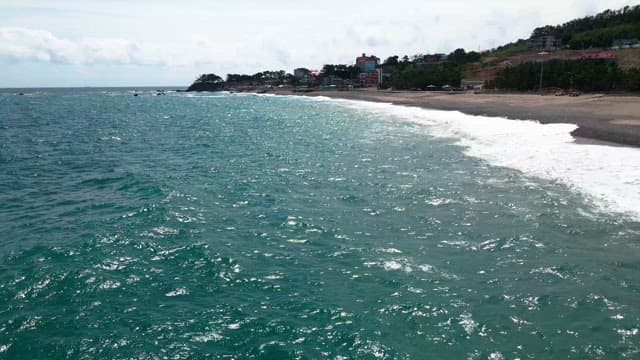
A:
[614,119]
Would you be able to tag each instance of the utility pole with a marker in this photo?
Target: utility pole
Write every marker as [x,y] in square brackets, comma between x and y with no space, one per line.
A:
[542,54]
[541,73]
[571,74]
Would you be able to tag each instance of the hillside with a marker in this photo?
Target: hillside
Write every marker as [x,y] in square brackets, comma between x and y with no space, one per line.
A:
[611,36]
[595,53]
[601,30]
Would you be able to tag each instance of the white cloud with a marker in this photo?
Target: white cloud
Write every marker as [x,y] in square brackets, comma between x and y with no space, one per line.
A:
[40,45]
[116,38]
[36,45]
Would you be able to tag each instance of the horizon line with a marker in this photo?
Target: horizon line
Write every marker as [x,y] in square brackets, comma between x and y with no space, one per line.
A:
[94,87]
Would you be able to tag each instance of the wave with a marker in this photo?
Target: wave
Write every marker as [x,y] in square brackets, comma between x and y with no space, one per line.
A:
[609,176]
[216,94]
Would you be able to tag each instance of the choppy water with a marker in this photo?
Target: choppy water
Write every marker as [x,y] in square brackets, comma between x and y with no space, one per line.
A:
[187,226]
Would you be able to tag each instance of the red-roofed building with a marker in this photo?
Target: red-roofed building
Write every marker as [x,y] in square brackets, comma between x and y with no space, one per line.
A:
[367,63]
[370,75]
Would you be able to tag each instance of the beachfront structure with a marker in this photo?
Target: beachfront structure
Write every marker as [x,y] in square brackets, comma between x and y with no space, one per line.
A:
[370,75]
[315,78]
[371,79]
[301,73]
[366,63]
[472,84]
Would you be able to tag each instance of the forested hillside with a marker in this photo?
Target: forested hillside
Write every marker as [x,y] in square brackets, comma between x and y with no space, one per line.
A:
[600,30]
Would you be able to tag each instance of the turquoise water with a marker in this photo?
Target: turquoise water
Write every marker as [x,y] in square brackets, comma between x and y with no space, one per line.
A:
[227,226]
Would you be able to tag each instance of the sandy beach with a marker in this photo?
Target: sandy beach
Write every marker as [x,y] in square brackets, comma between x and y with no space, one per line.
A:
[601,117]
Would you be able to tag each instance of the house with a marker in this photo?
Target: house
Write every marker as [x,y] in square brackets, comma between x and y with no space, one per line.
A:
[301,73]
[367,63]
[333,80]
[308,77]
[370,75]
[544,43]
[625,44]
[370,79]
[315,78]
[479,79]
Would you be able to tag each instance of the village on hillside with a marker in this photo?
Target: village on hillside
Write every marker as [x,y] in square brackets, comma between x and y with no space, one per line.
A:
[372,73]
[597,53]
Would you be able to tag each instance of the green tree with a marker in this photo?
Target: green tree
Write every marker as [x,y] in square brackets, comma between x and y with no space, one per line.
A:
[341,70]
[391,61]
[207,82]
[586,75]
[598,30]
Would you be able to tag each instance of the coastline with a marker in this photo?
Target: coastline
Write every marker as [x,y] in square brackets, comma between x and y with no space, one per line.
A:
[608,118]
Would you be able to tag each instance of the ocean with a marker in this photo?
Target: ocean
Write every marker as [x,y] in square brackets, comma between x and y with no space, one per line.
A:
[240,226]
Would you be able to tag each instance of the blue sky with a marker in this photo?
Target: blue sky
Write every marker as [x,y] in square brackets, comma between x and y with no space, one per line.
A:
[163,42]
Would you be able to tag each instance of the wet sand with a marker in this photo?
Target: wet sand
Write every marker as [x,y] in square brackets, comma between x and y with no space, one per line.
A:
[601,117]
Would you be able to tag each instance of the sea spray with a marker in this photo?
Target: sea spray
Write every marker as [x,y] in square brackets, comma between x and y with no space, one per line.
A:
[607,175]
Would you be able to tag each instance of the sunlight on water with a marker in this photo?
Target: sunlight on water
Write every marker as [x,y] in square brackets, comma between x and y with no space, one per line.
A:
[271,227]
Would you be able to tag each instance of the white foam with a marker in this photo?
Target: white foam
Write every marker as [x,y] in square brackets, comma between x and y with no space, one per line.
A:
[177,292]
[392,265]
[467,323]
[608,175]
[212,336]
[298,241]
[390,251]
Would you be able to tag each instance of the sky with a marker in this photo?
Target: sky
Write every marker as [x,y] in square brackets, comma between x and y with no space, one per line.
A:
[68,43]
